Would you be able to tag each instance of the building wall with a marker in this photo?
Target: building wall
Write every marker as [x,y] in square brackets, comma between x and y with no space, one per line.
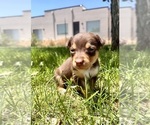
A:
[49,21]
[98,14]
[127,24]
[20,23]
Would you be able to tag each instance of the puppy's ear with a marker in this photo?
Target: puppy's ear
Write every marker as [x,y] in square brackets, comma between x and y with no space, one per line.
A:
[101,41]
[69,42]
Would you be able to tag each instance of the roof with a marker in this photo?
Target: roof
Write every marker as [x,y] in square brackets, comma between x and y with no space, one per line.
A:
[97,8]
[37,16]
[26,10]
[127,7]
[84,8]
[64,8]
[16,15]
[11,16]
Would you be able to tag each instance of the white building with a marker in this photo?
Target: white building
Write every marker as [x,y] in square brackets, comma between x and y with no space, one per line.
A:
[65,22]
[127,25]
[17,28]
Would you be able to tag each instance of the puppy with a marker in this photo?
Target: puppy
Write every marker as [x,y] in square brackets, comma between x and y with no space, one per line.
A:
[83,65]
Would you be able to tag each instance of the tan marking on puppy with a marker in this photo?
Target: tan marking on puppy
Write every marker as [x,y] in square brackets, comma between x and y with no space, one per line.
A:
[74,46]
[88,45]
[94,58]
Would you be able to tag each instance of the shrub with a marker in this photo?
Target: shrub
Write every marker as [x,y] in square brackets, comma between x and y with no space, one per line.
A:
[4,39]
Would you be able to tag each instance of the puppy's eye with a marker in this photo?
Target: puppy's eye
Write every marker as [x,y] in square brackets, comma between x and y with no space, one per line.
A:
[91,50]
[72,51]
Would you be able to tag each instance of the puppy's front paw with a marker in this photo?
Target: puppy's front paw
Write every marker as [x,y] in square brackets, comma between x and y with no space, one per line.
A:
[61,90]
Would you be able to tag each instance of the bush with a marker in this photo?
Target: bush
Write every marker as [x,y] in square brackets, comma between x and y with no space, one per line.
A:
[4,39]
[34,40]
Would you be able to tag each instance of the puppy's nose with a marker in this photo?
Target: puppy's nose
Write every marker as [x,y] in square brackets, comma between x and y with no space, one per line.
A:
[79,62]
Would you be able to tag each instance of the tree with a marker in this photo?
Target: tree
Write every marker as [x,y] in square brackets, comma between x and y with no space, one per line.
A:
[143,24]
[114,24]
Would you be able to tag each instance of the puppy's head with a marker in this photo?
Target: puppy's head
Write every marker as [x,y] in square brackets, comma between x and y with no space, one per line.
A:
[84,49]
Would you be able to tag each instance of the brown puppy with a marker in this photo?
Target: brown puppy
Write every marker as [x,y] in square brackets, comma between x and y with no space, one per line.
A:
[83,64]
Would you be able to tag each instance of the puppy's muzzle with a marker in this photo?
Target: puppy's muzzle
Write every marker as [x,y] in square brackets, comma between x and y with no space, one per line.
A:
[79,61]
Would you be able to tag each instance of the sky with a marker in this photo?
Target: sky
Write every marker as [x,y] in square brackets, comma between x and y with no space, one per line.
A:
[37,7]
[13,7]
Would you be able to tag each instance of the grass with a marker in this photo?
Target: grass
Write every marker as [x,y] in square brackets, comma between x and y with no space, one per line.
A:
[134,86]
[15,87]
[49,106]
[28,93]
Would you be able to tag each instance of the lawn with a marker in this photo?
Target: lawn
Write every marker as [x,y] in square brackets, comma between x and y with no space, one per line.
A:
[49,107]
[15,86]
[28,90]
[134,81]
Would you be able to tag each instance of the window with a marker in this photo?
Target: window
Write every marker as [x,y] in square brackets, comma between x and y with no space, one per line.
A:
[38,34]
[62,29]
[93,26]
[12,34]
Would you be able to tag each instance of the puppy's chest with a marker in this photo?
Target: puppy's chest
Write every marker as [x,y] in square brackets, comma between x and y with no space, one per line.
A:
[89,73]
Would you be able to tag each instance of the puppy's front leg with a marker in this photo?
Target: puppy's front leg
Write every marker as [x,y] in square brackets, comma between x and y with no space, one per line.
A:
[90,86]
[60,81]
[92,83]
[62,74]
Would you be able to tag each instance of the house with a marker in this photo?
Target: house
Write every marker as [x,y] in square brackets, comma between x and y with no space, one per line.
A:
[66,22]
[127,25]
[16,28]
[62,23]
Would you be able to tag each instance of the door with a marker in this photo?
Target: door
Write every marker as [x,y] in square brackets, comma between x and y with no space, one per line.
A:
[76,28]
